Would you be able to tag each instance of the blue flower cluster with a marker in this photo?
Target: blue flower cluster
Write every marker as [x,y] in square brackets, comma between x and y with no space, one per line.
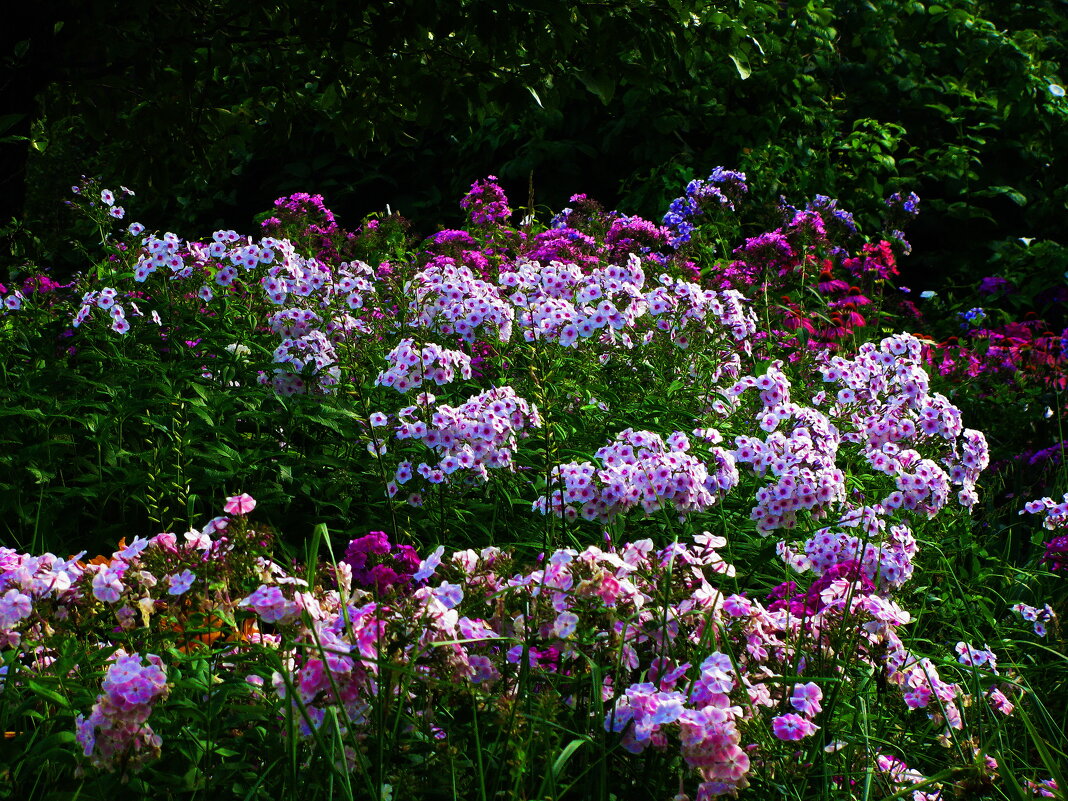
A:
[973,317]
[720,190]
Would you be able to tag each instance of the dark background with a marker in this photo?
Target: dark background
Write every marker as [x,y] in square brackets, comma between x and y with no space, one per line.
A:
[211,110]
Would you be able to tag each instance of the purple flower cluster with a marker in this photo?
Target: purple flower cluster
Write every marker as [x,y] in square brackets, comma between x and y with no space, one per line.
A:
[838,218]
[377,563]
[449,299]
[706,721]
[611,305]
[117,733]
[306,216]
[1039,618]
[1055,517]
[486,203]
[410,367]
[800,460]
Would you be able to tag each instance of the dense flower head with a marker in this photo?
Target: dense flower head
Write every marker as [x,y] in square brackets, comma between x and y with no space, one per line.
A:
[377,563]
[909,204]
[1039,618]
[116,733]
[877,261]
[828,208]
[468,440]
[412,367]
[639,468]
[486,202]
[721,190]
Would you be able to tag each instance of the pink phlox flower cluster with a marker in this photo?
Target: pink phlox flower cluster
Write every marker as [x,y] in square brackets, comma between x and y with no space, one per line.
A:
[677,303]
[1038,617]
[557,302]
[312,353]
[885,405]
[486,202]
[704,553]
[116,731]
[411,367]
[450,299]
[561,303]
[293,323]
[704,720]
[1055,515]
[379,564]
[156,253]
[271,605]
[628,235]
[919,680]
[39,577]
[884,553]
[832,590]
[15,606]
[471,439]
[357,282]
[638,468]
[564,243]
[640,712]
[293,275]
[800,458]
[977,657]
[339,662]
[105,299]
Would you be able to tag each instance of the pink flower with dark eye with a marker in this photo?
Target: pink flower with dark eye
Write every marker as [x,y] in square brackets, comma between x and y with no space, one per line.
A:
[239,504]
[792,727]
[917,697]
[806,699]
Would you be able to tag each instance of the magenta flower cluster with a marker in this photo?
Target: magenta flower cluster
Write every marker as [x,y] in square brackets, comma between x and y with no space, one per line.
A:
[378,564]
[486,202]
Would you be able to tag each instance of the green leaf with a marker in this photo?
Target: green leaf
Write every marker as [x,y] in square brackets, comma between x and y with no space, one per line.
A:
[45,692]
[603,85]
[1016,196]
[742,65]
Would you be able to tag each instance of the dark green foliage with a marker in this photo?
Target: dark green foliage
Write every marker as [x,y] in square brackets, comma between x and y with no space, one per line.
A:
[215,108]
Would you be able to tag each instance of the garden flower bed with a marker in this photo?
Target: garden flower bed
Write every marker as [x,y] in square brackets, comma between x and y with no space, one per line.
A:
[598,508]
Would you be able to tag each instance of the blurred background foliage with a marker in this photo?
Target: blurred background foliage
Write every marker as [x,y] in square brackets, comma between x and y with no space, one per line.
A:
[210,109]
